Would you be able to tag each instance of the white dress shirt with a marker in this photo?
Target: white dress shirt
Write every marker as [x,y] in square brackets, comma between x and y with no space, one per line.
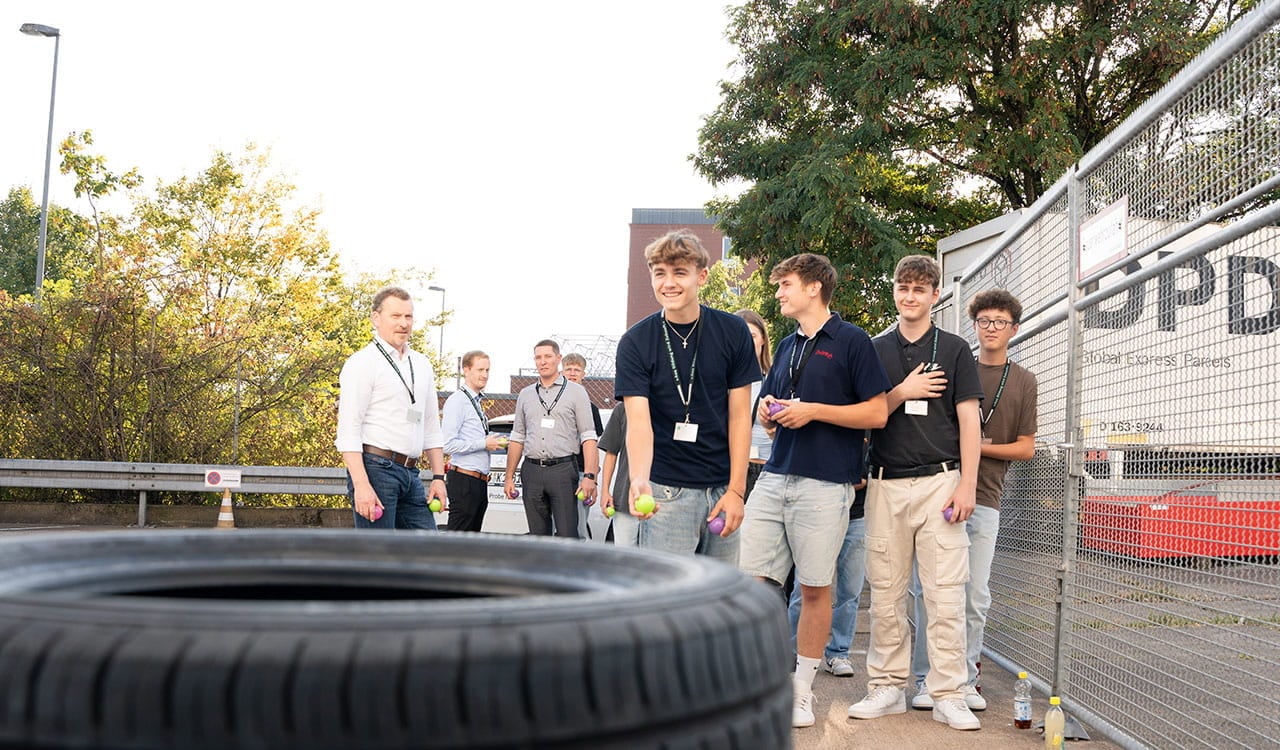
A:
[374,405]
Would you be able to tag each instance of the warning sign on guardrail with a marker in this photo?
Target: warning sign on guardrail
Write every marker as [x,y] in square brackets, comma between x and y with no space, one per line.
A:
[222,478]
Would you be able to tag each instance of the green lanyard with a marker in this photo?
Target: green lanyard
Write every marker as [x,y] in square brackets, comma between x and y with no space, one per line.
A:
[995,401]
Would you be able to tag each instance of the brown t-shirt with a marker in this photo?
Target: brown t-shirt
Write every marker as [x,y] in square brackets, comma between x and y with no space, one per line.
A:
[1014,415]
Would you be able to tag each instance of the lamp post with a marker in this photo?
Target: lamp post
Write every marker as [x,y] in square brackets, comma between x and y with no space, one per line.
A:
[441,290]
[36,29]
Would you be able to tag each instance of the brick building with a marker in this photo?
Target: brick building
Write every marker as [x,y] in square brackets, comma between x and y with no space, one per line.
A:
[647,225]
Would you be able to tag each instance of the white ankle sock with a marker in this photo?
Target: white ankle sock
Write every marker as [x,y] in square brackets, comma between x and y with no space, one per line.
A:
[806,668]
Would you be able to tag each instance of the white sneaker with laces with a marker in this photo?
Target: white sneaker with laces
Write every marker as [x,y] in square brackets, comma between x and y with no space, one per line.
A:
[973,699]
[802,710]
[954,713]
[881,701]
[840,666]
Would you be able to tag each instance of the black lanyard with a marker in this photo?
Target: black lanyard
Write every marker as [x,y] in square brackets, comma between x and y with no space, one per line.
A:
[475,404]
[537,391]
[995,401]
[685,399]
[933,356]
[794,370]
[412,380]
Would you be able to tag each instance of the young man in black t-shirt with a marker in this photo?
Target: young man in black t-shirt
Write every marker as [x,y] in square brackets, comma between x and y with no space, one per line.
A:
[684,377]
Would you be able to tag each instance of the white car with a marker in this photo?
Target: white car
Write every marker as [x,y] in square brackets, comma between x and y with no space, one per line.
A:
[506,515]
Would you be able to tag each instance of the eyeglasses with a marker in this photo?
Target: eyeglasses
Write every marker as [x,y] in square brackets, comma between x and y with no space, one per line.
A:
[995,323]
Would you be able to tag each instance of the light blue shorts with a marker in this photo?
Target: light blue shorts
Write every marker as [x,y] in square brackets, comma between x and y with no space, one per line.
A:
[794,520]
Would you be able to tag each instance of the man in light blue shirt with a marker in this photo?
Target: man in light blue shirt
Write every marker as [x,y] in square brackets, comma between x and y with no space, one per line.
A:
[468,442]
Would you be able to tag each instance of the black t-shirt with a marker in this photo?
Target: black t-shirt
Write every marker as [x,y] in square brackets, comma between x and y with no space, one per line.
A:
[909,440]
[725,359]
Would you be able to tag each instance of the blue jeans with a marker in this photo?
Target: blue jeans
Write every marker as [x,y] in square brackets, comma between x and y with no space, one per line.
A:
[680,524]
[982,527]
[851,570]
[404,500]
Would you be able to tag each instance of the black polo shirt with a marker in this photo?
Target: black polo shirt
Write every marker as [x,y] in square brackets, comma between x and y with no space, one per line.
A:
[908,441]
[837,366]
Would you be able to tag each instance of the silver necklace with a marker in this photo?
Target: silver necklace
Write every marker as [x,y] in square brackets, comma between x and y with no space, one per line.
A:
[684,340]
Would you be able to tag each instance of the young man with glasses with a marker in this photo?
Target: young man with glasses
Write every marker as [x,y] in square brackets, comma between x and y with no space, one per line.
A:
[1008,416]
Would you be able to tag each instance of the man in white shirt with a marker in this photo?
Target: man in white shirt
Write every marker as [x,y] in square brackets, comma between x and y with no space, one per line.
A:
[468,443]
[387,418]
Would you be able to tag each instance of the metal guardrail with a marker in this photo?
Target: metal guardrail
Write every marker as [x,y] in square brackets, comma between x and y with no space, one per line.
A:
[143,478]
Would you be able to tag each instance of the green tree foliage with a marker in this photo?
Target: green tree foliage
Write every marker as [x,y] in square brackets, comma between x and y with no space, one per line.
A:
[207,325]
[730,287]
[20,237]
[868,129]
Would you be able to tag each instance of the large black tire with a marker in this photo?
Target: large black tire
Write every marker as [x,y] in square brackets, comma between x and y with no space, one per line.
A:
[342,639]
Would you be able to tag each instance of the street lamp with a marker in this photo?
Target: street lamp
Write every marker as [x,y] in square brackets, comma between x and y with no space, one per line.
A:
[35,29]
[441,290]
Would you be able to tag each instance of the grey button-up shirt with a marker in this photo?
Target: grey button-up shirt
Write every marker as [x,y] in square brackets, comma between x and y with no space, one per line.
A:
[572,415]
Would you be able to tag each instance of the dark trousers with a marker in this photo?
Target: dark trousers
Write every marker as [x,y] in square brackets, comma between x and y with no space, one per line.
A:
[548,498]
[468,500]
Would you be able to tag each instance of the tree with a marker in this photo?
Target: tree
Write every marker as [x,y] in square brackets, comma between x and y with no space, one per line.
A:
[208,325]
[870,128]
[731,288]
[65,246]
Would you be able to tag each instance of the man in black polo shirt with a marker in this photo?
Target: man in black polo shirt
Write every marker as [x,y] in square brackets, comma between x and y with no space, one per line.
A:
[825,388]
[923,479]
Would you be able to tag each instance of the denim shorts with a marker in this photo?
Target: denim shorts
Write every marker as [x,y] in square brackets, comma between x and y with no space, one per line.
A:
[794,520]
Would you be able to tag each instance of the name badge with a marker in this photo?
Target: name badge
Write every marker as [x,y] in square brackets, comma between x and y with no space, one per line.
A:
[755,452]
[918,408]
[986,440]
[413,416]
[686,432]
[548,423]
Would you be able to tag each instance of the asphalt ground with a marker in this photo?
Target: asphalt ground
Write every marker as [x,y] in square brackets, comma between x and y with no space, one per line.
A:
[917,729]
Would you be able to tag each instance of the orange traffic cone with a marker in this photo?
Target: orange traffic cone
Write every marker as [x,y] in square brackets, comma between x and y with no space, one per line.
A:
[226,519]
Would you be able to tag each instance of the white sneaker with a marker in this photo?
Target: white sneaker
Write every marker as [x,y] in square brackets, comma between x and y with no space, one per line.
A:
[881,701]
[955,714]
[802,710]
[922,701]
[840,666]
[973,699]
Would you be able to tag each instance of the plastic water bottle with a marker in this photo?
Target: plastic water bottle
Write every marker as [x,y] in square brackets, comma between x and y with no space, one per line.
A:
[1022,702]
[1054,725]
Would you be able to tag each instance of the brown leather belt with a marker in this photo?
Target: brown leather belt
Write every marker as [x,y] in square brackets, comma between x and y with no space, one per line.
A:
[409,462]
[470,473]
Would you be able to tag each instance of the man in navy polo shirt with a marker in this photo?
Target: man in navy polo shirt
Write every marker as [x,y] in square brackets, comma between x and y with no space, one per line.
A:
[825,388]
[684,377]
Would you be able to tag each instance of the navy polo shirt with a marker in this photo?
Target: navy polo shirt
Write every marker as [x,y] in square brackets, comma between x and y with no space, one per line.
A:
[837,366]
[907,440]
[725,360]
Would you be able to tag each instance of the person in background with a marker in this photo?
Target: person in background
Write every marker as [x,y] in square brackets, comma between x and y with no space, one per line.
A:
[574,367]
[551,425]
[761,439]
[468,443]
[615,481]
[387,418]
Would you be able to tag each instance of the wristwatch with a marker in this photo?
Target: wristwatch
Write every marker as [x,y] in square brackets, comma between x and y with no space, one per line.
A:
[589,475]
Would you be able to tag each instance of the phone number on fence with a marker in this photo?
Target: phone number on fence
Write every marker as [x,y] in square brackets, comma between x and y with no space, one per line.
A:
[1129,426]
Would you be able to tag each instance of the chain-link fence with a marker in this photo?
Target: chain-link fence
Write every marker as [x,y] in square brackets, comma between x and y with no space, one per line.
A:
[1137,570]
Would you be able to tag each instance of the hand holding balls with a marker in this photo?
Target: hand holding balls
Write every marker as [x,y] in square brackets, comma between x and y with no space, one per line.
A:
[513,494]
[947,512]
[608,512]
[377,512]
[582,498]
[775,407]
[645,505]
[716,525]
[435,506]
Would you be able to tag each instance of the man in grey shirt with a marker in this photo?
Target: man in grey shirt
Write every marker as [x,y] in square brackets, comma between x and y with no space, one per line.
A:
[552,422]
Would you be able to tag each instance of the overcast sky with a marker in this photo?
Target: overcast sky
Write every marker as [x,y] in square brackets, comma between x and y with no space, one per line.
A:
[501,144]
